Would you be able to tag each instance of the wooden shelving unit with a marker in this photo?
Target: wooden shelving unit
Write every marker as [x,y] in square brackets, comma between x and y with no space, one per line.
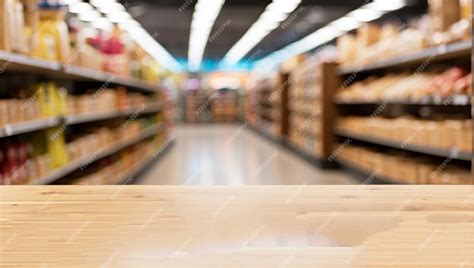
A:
[446,153]
[456,52]
[312,110]
[268,101]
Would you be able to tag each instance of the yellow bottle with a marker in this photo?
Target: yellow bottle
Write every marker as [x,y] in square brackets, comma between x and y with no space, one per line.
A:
[52,25]
[50,102]
[57,150]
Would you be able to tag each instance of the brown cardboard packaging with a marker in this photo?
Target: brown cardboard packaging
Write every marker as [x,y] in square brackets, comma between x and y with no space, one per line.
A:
[6,8]
[444,13]
[346,48]
[466,9]
[367,35]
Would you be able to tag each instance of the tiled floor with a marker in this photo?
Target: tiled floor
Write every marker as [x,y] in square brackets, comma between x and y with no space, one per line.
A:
[233,155]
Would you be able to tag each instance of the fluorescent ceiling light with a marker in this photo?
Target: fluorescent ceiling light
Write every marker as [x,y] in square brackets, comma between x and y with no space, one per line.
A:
[204,16]
[80,7]
[351,21]
[89,16]
[102,23]
[101,3]
[119,17]
[276,12]
[70,2]
[365,15]
[112,8]
[345,24]
[385,5]
[156,51]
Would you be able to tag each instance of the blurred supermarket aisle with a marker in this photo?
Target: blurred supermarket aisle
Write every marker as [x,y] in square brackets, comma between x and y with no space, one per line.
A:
[233,155]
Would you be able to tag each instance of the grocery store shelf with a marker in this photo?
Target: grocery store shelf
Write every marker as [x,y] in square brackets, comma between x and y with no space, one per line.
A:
[99,154]
[23,63]
[459,100]
[93,117]
[18,62]
[29,126]
[452,154]
[365,176]
[438,53]
[32,126]
[81,73]
[128,178]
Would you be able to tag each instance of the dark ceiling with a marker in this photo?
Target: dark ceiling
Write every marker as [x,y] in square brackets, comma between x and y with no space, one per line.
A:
[170,20]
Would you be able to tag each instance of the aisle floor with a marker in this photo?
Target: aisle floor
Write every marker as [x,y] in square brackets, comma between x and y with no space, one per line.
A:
[233,155]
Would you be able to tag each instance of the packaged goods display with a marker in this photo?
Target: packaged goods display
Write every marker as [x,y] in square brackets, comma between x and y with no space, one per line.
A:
[312,86]
[45,30]
[28,158]
[447,22]
[402,167]
[410,87]
[305,104]
[72,90]
[197,106]
[210,105]
[47,100]
[268,103]
[109,100]
[116,169]
[442,134]
[225,107]
[44,100]
[250,106]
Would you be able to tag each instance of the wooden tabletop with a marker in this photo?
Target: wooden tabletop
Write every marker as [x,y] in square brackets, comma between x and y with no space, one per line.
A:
[255,226]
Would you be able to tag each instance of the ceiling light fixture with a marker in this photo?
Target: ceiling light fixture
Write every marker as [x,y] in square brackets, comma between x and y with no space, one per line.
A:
[79,7]
[154,49]
[349,22]
[204,16]
[276,12]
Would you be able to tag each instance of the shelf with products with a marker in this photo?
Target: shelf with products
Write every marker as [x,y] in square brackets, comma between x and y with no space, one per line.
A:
[312,87]
[267,105]
[35,125]
[44,38]
[443,34]
[100,153]
[225,106]
[35,111]
[401,145]
[99,116]
[461,49]
[9,130]
[10,61]
[451,87]
[367,177]
[407,94]
[400,167]
[455,100]
[211,105]
[81,73]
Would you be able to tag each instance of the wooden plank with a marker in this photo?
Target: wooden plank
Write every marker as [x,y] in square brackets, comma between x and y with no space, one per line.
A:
[254,226]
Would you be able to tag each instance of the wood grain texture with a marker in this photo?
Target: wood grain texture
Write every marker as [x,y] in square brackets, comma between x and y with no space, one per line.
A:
[254,226]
